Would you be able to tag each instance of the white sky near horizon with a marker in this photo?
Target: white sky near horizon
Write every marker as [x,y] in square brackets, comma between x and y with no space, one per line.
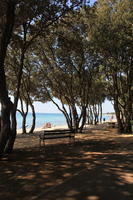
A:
[49,107]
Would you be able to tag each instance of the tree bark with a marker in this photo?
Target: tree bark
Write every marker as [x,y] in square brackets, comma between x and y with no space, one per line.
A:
[5,125]
[83,119]
[4,99]
[101,113]
[13,132]
[34,118]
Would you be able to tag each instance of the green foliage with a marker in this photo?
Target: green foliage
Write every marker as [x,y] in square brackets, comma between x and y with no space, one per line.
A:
[110,33]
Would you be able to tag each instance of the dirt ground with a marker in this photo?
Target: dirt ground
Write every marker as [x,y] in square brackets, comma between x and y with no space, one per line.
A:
[99,166]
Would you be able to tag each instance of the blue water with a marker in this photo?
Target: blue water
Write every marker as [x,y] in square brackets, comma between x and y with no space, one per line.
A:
[41,118]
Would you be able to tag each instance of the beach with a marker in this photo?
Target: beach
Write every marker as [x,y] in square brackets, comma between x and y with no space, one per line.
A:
[56,120]
[38,130]
[54,127]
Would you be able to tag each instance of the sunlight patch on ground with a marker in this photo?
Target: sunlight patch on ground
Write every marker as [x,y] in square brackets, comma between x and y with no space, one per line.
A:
[72,193]
[128,177]
[27,177]
[93,198]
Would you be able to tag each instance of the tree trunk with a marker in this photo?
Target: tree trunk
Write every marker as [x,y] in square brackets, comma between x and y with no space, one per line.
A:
[10,144]
[91,115]
[4,99]
[117,111]
[75,121]
[24,123]
[5,126]
[129,104]
[83,119]
[123,112]
[101,113]
[24,115]
[34,118]
[12,136]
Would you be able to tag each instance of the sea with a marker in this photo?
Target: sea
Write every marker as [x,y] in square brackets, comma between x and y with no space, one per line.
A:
[56,119]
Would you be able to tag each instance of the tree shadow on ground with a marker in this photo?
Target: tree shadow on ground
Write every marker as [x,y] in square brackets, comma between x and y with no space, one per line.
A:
[89,170]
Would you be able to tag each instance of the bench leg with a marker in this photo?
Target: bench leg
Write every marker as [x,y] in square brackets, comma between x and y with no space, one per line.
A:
[72,140]
[43,143]
[39,143]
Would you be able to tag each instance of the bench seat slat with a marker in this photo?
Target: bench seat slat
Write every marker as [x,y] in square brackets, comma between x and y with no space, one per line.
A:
[57,133]
[56,136]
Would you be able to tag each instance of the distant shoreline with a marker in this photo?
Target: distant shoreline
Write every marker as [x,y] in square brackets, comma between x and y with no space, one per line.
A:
[111,118]
[40,129]
[111,113]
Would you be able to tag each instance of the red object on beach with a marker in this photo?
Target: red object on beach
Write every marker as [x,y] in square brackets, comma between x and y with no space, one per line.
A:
[47,125]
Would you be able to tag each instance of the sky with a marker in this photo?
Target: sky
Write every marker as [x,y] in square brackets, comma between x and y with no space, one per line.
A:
[51,108]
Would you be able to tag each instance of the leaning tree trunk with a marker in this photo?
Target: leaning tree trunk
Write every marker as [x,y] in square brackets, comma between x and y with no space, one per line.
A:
[83,119]
[10,144]
[5,125]
[6,34]
[75,119]
[68,118]
[12,138]
[13,133]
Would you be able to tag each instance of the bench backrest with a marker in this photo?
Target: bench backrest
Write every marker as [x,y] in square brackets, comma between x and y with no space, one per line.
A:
[53,134]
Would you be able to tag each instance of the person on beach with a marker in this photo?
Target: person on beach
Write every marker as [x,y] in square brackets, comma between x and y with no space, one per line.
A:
[112,117]
[47,125]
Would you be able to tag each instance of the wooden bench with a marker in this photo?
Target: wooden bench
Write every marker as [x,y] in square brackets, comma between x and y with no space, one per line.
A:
[56,134]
